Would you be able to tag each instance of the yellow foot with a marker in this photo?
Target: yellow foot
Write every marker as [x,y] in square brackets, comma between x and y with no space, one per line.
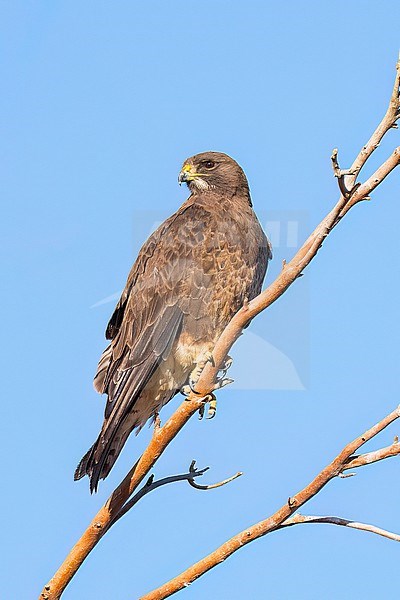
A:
[211,401]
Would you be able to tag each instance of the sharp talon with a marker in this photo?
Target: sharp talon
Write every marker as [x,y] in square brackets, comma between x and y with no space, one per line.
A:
[185,391]
[212,409]
[224,369]
[211,360]
[223,382]
[228,363]
[194,391]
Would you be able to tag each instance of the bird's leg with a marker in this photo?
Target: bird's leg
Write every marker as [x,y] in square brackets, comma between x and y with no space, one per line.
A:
[221,382]
[196,372]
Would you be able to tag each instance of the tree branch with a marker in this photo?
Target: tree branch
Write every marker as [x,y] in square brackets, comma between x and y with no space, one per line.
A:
[281,518]
[363,191]
[340,174]
[213,486]
[164,435]
[299,519]
[371,457]
[388,122]
[151,485]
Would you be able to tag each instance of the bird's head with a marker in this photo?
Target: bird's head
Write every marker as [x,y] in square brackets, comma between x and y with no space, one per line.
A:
[213,171]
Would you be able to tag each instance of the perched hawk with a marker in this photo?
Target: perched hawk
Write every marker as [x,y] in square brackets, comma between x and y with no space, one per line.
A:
[191,276]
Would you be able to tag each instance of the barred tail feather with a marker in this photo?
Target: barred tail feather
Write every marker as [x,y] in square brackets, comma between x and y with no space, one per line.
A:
[83,468]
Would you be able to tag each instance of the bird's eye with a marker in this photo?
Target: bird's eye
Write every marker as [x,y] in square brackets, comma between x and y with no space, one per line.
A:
[209,164]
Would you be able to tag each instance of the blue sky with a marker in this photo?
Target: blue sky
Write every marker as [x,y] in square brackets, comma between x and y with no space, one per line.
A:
[101,103]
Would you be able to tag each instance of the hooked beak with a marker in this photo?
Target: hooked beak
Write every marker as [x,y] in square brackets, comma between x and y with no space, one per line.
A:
[187,174]
[182,178]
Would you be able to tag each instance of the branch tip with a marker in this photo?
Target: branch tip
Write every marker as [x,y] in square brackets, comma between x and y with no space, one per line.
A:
[214,485]
[298,519]
[196,472]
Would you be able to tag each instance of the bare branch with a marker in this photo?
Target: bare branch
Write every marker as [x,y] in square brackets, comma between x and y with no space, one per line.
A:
[340,174]
[151,485]
[299,519]
[371,457]
[363,191]
[388,122]
[212,486]
[165,434]
[279,519]
[346,475]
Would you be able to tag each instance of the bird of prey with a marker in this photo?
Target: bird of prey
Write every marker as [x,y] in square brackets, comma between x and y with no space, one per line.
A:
[190,277]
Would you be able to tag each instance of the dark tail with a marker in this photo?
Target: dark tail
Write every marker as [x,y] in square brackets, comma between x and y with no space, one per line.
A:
[124,385]
[85,467]
[82,469]
[99,460]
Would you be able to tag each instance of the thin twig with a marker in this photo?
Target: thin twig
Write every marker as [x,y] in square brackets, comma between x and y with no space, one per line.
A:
[151,485]
[212,486]
[371,457]
[299,519]
[389,120]
[363,191]
[340,174]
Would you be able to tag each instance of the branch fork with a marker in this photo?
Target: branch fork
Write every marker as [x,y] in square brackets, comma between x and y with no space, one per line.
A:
[341,174]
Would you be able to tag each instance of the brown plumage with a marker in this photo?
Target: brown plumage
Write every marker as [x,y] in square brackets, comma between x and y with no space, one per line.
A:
[190,278]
